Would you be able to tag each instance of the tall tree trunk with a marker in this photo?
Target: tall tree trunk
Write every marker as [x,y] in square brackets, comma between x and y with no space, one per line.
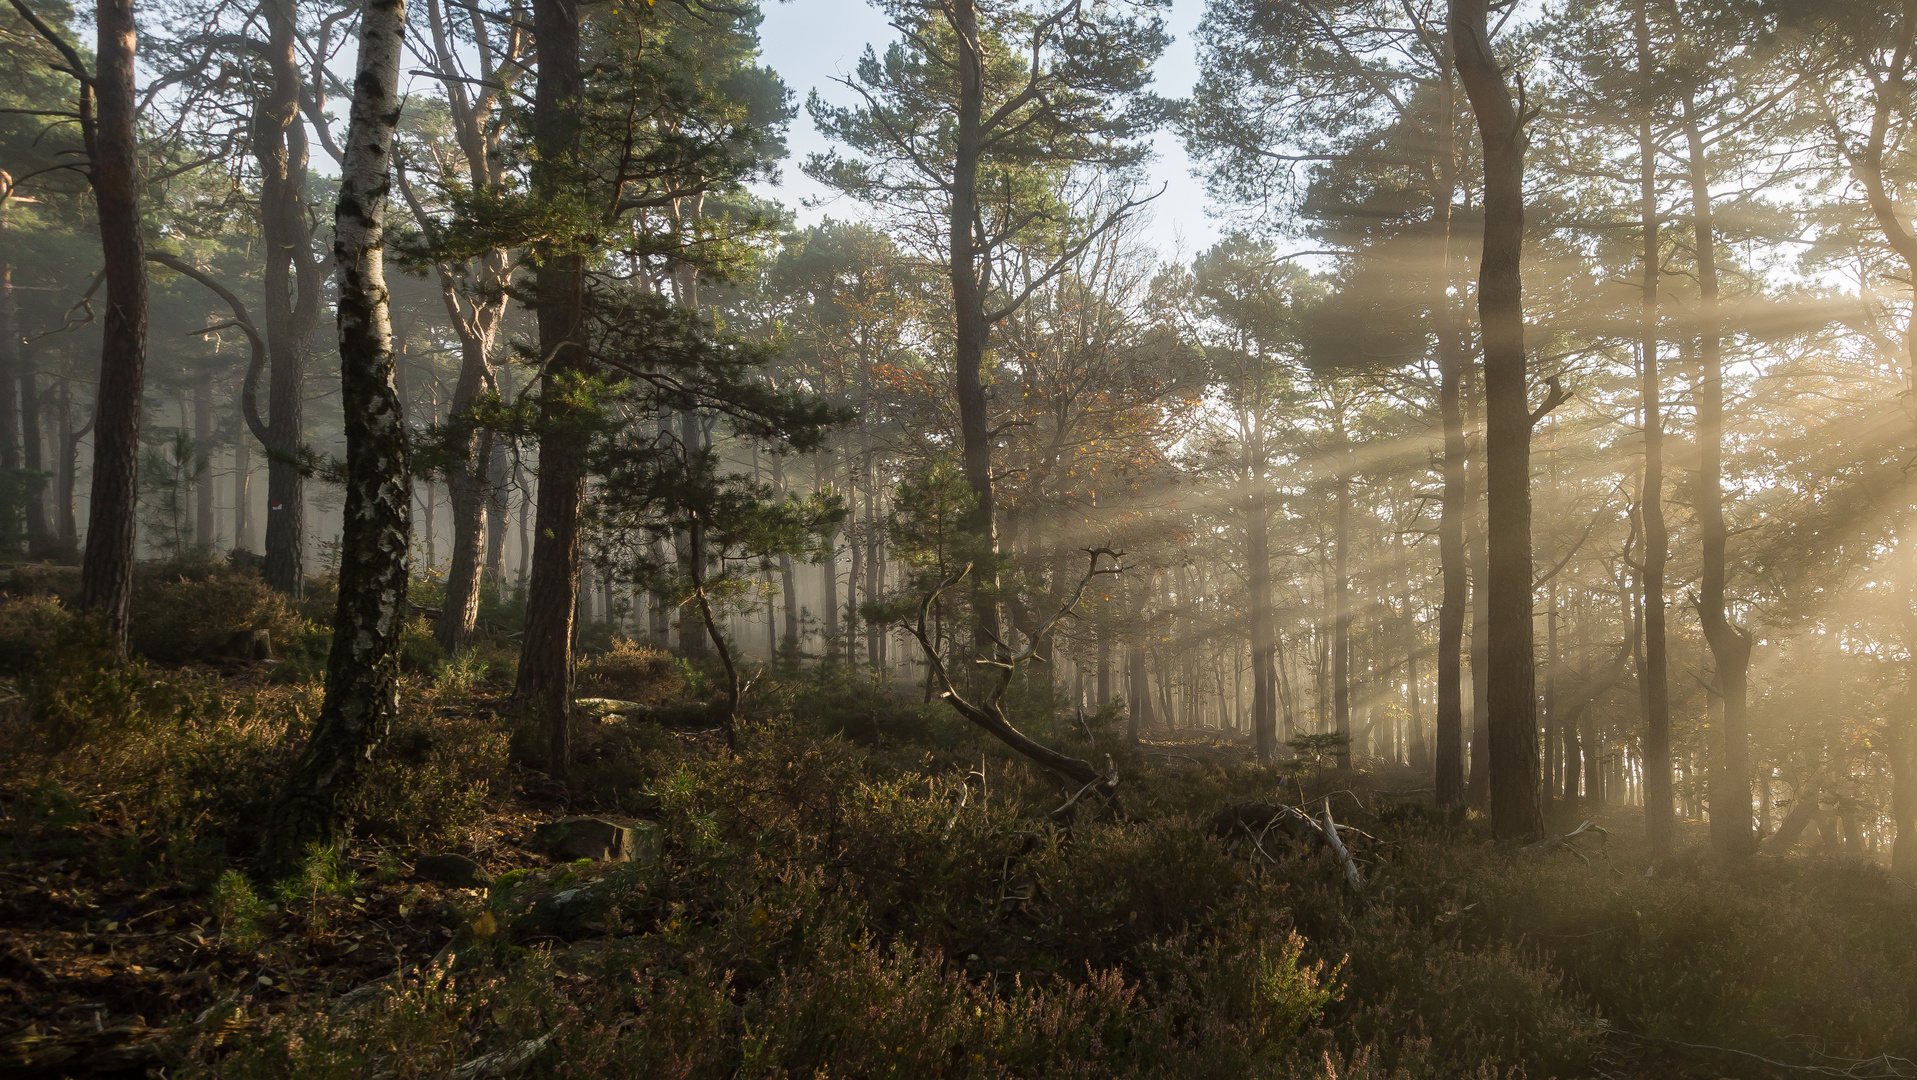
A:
[205,528]
[967,271]
[1137,677]
[1341,601]
[1508,421]
[106,571]
[291,282]
[1451,515]
[1733,829]
[9,365]
[1572,779]
[466,489]
[1477,787]
[1655,688]
[875,559]
[1103,681]
[828,573]
[545,658]
[362,671]
[1138,686]
[1418,749]
[1900,732]
[476,479]
[242,494]
[498,514]
[694,635]
[1264,712]
[527,485]
[855,547]
[40,543]
[67,476]
[429,504]
[788,584]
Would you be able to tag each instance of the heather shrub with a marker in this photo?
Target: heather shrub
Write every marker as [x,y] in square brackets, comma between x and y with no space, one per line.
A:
[28,625]
[182,618]
[199,761]
[845,1005]
[419,651]
[440,769]
[630,671]
[1729,955]
[76,691]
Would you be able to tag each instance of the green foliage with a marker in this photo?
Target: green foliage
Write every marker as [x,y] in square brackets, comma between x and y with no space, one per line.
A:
[1055,95]
[238,909]
[168,475]
[438,772]
[419,651]
[927,520]
[28,625]
[927,530]
[322,875]
[76,689]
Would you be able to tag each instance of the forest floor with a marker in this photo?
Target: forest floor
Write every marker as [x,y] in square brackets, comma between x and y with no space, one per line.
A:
[868,889]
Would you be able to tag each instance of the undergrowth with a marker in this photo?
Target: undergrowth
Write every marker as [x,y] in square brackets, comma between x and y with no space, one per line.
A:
[870,889]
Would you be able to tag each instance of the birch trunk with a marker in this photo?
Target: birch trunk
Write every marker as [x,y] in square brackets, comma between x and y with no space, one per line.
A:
[362,672]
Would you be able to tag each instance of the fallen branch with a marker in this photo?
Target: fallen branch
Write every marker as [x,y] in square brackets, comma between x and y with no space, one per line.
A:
[1256,820]
[1889,1067]
[989,712]
[1338,848]
[1568,841]
[1106,782]
[502,1061]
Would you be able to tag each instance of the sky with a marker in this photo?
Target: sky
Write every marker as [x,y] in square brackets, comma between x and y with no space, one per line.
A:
[811,42]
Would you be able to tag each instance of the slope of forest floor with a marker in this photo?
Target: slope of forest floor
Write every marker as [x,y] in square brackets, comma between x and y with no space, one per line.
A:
[867,889]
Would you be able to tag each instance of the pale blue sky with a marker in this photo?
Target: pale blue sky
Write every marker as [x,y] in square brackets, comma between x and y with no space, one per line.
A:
[809,42]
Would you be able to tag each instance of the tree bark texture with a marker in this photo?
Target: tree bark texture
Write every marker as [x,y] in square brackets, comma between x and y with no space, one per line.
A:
[545,658]
[362,671]
[66,477]
[466,490]
[1659,824]
[1417,749]
[971,329]
[40,543]
[9,360]
[205,530]
[1477,790]
[291,293]
[1455,506]
[1512,699]
[1733,828]
[1264,712]
[1341,607]
[106,571]
[475,299]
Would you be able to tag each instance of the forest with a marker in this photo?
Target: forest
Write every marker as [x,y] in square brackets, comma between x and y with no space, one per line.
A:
[533,544]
